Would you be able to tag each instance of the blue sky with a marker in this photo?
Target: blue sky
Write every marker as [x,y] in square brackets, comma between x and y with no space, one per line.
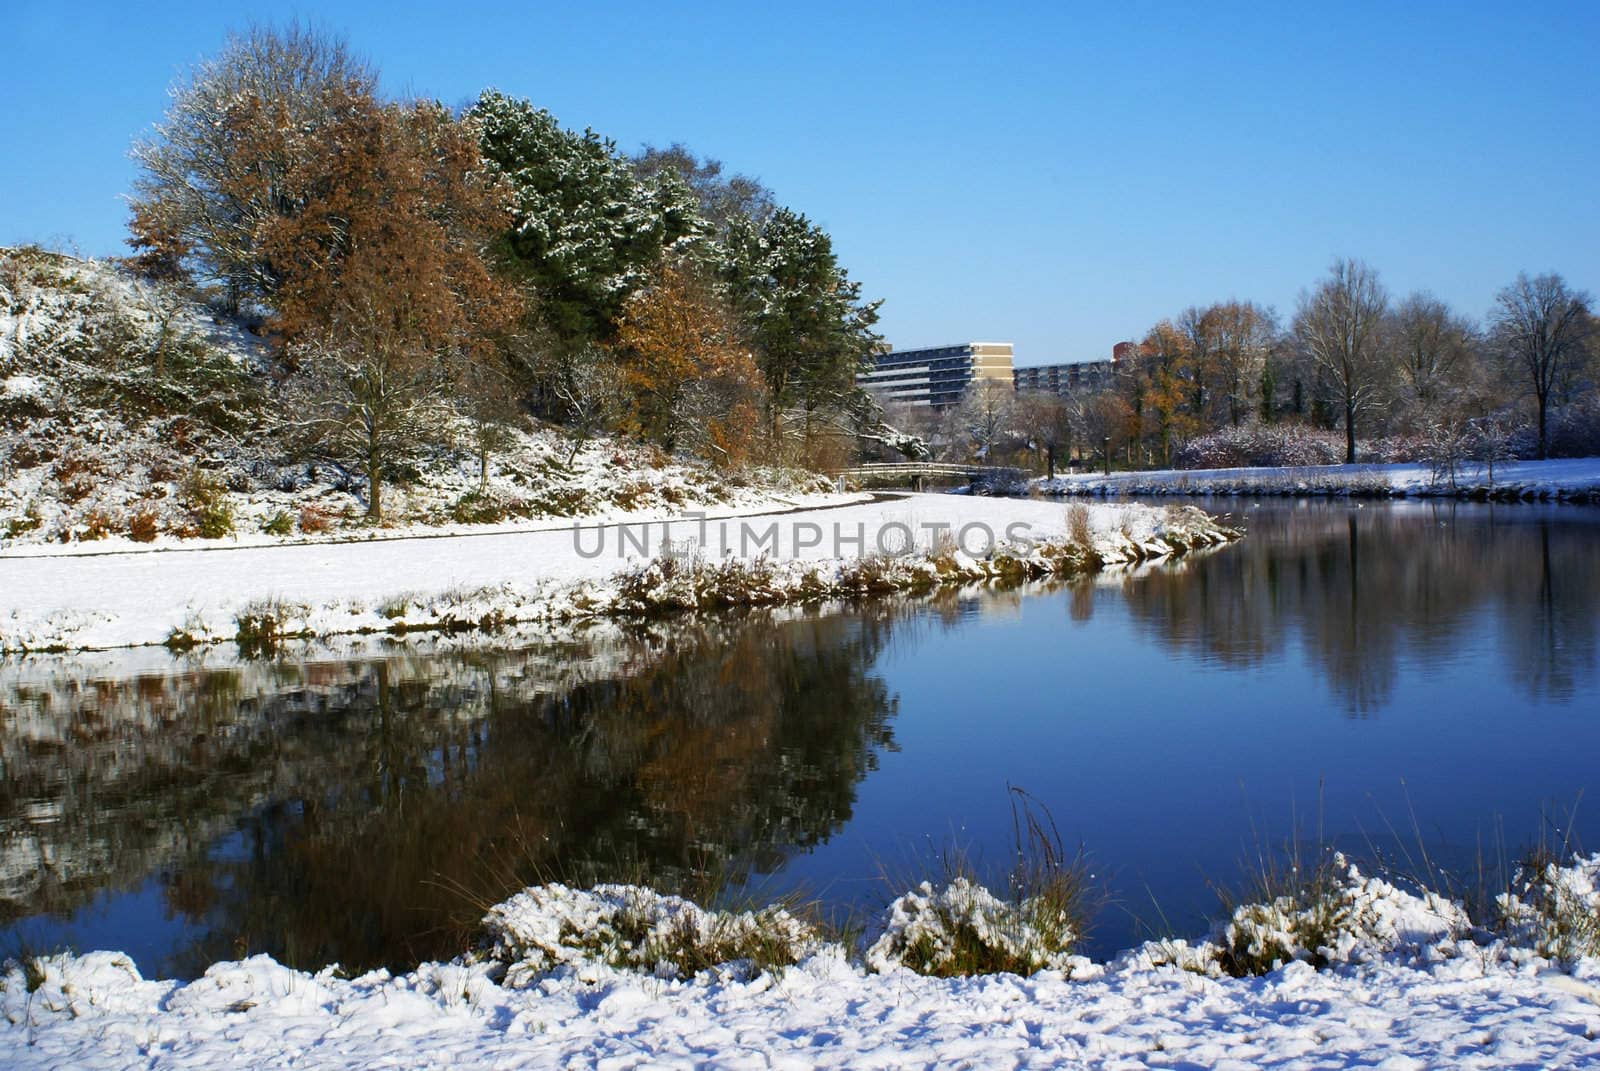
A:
[1056,176]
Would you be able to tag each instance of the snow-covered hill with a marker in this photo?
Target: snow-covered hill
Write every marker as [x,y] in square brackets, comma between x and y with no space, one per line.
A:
[128,410]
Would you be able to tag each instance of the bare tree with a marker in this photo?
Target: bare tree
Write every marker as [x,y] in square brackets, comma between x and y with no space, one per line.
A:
[1044,417]
[1542,326]
[986,413]
[1433,350]
[1242,334]
[1340,325]
[1106,421]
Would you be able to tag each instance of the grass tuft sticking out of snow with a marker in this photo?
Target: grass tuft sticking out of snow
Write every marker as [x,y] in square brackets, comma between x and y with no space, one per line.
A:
[1553,910]
[961,928]
[630,927]
[1330,913]
[264,624]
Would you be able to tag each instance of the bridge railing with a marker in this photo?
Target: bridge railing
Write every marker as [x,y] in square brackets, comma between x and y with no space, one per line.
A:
[924,469]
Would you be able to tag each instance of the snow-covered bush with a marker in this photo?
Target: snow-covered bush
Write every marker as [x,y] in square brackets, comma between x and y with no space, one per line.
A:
[686,581]
[1335,915]
[963,928]
[1573,431]
[1261,444]
[1289,446]
[265,623]
[1552,909]
[630,927]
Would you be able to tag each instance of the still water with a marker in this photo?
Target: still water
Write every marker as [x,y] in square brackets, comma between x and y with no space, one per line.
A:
[1411,681]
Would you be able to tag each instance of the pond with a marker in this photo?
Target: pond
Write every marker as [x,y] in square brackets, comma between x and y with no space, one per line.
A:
[1412,682]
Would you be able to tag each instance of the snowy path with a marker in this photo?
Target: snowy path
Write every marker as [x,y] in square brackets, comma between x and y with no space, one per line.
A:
[94,1013]
[140,597]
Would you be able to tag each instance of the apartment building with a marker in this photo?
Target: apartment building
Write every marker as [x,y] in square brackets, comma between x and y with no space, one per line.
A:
[937,377]
[1081,377]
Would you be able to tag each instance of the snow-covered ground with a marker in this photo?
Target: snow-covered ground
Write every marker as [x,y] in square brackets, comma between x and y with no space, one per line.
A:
[1565,478]
[97,445]
[1407,991]
[121,594]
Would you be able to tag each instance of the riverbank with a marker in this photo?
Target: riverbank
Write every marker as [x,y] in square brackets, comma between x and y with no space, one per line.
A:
[1406,983]
[1563,480]
[828,548]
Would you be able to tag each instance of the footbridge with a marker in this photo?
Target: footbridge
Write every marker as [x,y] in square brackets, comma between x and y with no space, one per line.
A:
[918,474]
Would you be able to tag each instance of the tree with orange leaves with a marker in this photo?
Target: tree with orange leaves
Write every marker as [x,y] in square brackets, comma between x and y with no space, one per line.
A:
[383,295]
[691,378]
[1164,373]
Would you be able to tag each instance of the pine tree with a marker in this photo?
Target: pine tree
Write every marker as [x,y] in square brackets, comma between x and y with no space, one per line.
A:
[585,232]
[812,331]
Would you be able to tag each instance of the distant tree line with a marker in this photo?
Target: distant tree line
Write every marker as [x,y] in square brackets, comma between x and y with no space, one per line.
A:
[1353,374]
[419,269]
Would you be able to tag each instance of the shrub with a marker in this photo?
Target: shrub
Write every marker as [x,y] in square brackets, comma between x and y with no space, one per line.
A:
[1553,910]
[634,928]
[207,503]
[475,508]
[97,524]
[1261,444]
[1079,534]
[75,476]
[962,928]
[278,524]
[314,519]
[28,522]
[1330,913]
[265,623]
[215,520]
[142,526]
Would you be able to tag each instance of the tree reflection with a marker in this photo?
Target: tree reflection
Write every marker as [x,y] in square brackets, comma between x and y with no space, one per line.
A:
[366,812]
[1360,587]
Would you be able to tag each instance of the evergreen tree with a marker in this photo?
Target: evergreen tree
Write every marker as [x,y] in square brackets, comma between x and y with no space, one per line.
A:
[811,329]
[586,232]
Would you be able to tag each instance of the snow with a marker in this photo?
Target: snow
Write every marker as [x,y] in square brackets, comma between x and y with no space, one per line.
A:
[1446,1004]
[1560,478]
[128,595]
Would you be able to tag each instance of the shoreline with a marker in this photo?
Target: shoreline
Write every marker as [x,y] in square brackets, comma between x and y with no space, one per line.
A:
[1574,481]
[261,596]
[562,977]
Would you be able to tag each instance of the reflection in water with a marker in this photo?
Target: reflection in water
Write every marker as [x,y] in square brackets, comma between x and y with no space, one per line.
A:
[1359,586]
[365,809]
[364,812]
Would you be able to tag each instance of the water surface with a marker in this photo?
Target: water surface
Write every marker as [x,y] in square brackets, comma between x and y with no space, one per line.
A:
[1416,680]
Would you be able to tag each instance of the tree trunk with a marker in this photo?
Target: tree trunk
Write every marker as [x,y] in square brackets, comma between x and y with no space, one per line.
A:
[1349,433]
[1544,443]
[374,480]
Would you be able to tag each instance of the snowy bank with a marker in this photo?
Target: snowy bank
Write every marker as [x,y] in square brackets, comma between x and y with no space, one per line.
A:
[1407,990]
[262,594]
[1564,480]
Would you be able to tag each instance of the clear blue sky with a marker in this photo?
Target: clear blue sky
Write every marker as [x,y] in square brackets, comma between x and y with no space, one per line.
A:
[1053,176]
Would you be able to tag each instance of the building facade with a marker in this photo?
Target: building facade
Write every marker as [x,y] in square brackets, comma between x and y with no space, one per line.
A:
[936,377]
[1082,377]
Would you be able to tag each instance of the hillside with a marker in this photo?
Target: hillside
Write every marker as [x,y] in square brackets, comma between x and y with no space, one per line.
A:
[129,410]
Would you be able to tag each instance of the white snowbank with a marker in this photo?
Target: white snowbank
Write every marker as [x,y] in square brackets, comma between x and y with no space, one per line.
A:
[1562,478]
[1469,1006]
[105,600]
